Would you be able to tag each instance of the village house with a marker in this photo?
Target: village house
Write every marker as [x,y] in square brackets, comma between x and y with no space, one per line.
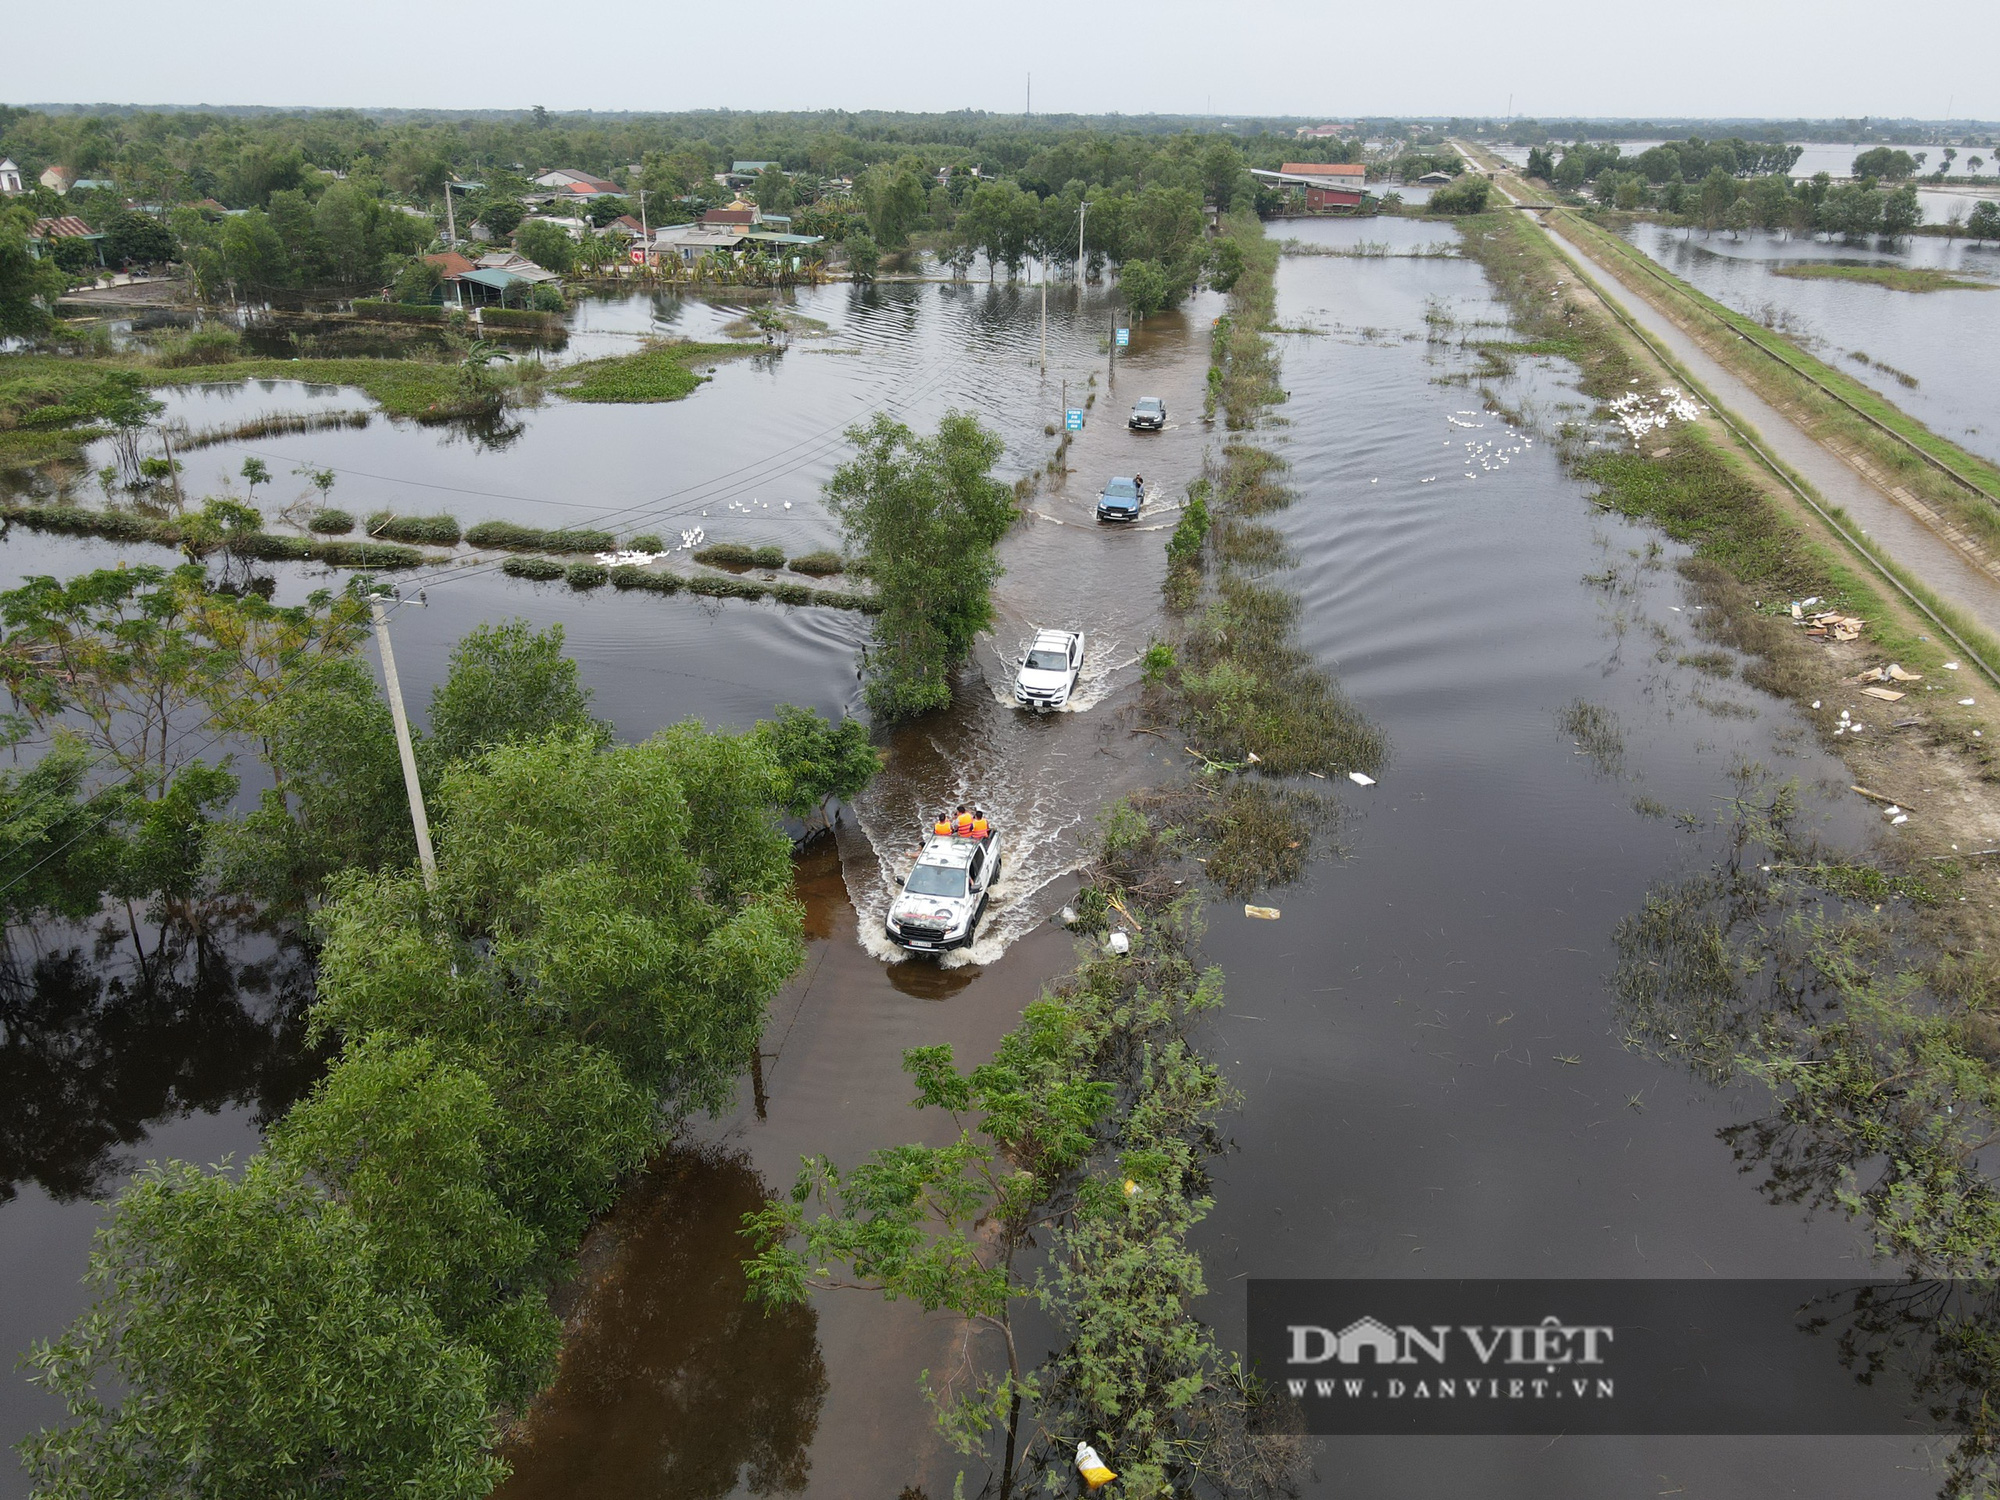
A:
[568,183]
[57,179]
[10,177]
[65,227]
[1319,185]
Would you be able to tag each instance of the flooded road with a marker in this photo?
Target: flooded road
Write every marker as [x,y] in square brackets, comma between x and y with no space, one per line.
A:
[1432,1065]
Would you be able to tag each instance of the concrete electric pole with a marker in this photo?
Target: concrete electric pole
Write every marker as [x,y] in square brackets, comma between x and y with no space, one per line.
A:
[408,752]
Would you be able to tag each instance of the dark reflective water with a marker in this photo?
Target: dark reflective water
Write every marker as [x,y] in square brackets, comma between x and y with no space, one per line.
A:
[1947,342]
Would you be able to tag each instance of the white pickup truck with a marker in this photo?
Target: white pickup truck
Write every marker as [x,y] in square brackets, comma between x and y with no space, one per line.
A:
[1049,669]
[945,893]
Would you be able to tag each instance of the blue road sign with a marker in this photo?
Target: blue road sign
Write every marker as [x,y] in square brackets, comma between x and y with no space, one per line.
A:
[1073,419]
[1124,337]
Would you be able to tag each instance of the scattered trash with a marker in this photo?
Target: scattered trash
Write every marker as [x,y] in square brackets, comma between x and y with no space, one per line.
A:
[1359,780]
[1262,913]
[1951,666]
[1068,915]
[1900,818]
[1798,612]
[1131,1188]
[1965,702]
[627,558]
[1119,943]
[1892,811]
[1092,1468]
[1887,695]
[1815,703]
[1251,757]
[1901,676]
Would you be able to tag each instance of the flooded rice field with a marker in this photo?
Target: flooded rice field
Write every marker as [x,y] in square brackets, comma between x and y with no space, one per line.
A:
[1433,1069]
[1934,354]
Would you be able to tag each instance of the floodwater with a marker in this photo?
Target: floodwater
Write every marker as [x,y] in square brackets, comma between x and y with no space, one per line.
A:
[1432,1070]
[1934,354]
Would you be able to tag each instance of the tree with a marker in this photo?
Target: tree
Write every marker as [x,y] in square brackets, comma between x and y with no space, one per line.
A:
[863,256]
[547,245]
[1146,286]
[259,1353]
[635,900]
[1884,162]
[1984,221]
[339,799]
[1901,212]
[927,514]
[773,191]
[419,282]
[136,239]
[28,286]
[500,214]
[123,657]
[508,682]
[601,211]
[253,254]
[1466,196]
[894,199]
[818,760]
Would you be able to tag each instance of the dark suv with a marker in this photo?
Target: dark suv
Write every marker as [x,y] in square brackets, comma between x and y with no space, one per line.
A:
[1148,412]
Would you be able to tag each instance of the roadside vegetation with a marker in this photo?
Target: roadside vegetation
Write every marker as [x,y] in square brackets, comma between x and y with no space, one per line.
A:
[356,1305]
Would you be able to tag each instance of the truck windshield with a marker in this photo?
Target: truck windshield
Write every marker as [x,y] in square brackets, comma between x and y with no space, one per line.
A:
[1147,404]
[1047,661]
[1121,489]
[936,880]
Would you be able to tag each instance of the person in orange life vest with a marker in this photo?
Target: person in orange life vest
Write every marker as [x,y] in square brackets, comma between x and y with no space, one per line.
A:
[964,821]
[942,828]
[980,827]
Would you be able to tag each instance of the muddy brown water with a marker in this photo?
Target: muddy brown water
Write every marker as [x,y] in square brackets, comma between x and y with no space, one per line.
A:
[1401,1035]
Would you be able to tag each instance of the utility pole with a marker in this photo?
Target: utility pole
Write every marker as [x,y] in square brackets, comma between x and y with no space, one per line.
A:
[450,218]
[403,747]
[1081,210]
[645,236]
[1045,316]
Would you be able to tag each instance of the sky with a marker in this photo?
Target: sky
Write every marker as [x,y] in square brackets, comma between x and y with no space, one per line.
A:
[1550,58]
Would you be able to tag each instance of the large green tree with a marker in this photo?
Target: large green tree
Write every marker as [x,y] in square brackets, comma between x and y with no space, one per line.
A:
[246,1333]
[28,286]
[927,513]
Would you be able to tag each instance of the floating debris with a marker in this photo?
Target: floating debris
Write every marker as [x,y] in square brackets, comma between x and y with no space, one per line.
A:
[1262,913]
[1360,780]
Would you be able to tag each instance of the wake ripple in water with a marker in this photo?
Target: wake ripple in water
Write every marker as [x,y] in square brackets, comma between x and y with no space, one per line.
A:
[1042,814]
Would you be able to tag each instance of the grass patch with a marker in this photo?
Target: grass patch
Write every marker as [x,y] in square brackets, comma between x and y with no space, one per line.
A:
[167,531]
[331,522]
[660,373]
[539,569]
[1594,730]
[1895,278]
[585,575]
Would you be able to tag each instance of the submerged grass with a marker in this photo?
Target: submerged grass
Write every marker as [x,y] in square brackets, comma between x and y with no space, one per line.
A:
[663,372]
[1896,278]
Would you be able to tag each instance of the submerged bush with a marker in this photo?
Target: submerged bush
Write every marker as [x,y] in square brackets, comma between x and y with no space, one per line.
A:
[512,536]
[740,555]
[440,530]
[541,569]
[331,522]
[818,564]
[585,575]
